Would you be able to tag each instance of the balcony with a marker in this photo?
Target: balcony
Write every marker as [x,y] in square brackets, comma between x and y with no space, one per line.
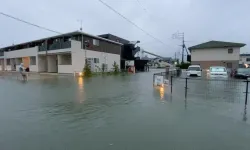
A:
[55,46]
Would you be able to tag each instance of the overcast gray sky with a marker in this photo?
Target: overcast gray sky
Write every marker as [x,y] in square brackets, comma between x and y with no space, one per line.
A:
[201,20]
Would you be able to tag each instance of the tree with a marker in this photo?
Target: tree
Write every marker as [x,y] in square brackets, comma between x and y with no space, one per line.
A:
[87,69]
[116,68]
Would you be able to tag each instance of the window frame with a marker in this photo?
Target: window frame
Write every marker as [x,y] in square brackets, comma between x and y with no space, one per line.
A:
[230,51]
[96,60]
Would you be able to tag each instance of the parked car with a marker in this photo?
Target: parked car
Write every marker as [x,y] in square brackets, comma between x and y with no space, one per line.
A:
[217,72]
[241,73]
[194,70]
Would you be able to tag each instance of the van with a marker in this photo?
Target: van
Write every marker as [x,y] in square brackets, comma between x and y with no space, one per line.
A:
[194,70]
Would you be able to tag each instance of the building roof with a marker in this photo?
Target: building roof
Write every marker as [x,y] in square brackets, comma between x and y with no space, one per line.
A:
[244,54]
[66,34]
[114,38]
[216,44]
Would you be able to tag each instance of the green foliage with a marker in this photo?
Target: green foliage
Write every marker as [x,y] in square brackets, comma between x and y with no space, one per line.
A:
[116,68]
[87,69]
[183,65]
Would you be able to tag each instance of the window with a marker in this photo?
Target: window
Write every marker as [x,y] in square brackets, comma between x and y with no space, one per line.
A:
[248,59]
[96,42]
[33,60]
[194,69]
[96,60]
[217,69]
[230,51]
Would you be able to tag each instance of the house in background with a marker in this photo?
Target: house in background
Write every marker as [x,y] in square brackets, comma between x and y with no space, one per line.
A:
[65,53]
[216,53]
[244,59]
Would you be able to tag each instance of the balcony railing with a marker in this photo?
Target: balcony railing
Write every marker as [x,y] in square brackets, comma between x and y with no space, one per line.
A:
[55,46]
[1,53]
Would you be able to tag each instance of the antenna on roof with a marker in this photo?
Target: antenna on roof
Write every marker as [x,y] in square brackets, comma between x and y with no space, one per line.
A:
[80,21]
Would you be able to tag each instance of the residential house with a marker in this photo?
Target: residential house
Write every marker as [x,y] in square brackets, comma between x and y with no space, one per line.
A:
[216,53]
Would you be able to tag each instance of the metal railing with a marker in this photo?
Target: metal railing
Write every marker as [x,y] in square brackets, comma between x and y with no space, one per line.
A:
[229,90]
[55,46]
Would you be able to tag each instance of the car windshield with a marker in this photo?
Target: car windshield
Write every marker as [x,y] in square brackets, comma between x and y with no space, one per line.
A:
[243,70]
[194,69]
[218,69]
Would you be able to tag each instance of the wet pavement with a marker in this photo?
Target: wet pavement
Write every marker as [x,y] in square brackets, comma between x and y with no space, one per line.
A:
[119,113]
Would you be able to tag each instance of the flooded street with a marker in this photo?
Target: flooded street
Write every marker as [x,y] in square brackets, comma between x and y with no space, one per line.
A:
[115,113]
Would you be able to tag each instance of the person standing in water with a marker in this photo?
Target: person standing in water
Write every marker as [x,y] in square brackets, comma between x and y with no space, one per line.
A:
[22,72]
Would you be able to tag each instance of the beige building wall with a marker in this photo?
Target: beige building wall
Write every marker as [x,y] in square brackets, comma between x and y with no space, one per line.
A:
[216,57]
[215,54]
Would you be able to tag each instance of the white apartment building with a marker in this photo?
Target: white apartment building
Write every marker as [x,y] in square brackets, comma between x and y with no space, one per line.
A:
[64,53]
[216,53]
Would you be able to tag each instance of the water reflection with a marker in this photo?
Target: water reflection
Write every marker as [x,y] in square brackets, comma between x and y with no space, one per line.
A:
[245,113]
[80,90]
[162,90]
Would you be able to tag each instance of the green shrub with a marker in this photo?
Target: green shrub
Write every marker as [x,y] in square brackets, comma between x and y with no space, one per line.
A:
[116,68]
[183,65]
[87,69]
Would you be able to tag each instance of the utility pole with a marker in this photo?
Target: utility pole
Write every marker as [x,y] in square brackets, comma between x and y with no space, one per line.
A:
[183,46]
[181,36]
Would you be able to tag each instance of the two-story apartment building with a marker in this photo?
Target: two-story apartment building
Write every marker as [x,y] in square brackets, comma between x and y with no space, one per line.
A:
[216,53]
[64,53]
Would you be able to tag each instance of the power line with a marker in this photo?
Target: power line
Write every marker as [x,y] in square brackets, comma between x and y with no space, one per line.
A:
[147,33]
[32,24]
[138,1]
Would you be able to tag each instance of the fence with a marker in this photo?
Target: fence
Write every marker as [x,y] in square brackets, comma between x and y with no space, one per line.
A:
[229,90]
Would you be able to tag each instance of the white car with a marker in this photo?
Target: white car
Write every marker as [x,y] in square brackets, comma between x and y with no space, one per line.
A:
[194,70]
[218,72]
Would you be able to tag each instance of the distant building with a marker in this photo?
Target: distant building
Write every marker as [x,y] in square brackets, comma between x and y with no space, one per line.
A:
[128,51]
[64,53]
[244,59]
[216,53]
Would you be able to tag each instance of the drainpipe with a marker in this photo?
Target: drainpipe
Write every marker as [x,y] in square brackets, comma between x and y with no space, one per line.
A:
[46,55]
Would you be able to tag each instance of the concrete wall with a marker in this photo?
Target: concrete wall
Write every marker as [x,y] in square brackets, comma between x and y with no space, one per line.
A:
[65,69]
[42,64]
[8,68]
[215,54]
[52,63]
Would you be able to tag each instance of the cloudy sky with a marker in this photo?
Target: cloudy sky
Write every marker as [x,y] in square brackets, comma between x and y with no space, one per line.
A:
[201,20]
